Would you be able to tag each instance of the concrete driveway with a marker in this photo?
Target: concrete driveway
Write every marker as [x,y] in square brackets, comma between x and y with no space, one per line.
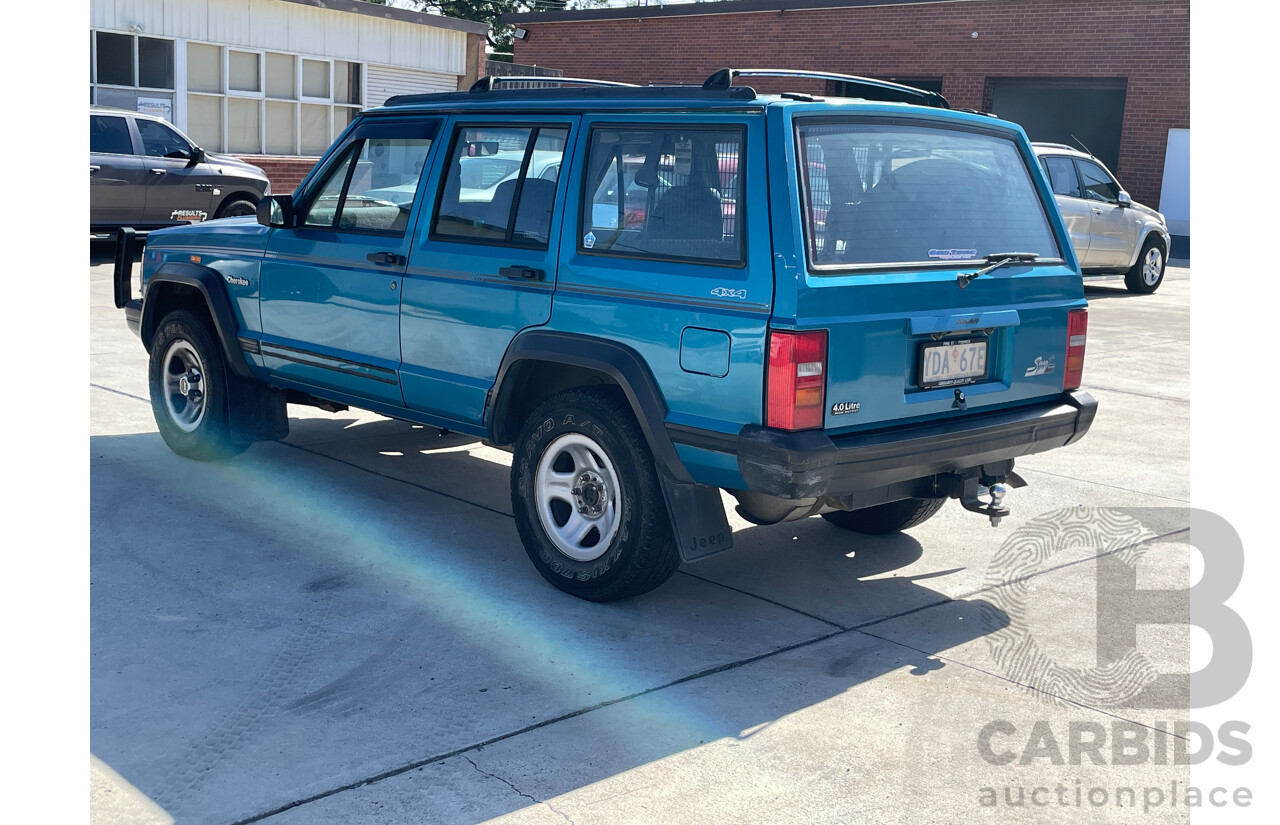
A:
[344,628]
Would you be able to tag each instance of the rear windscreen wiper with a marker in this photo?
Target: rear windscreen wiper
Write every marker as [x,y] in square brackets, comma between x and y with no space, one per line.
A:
[996,260]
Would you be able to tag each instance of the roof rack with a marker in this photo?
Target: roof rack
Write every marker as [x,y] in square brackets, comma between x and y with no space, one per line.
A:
[486,83]
[863,87]
[1049,145]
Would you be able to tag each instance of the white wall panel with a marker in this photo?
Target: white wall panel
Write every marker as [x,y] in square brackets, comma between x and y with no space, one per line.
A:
[102,14]
[185,18]
[269,24]
[384,82]
[306,30]
[229,22]
[149,14]
[375,41]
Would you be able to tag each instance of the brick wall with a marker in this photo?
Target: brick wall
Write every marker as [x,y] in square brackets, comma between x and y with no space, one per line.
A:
[1145,41]
[285,173]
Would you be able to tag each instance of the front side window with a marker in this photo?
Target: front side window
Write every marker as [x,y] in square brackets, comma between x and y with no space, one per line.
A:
[878,193]
[159,141]
[500,185]
[1062,176]
[664,193]
[109,135]
[371,186]
[1098,185]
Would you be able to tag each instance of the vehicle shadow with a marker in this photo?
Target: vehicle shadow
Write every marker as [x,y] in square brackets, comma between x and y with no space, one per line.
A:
[307,620]
[1094,291]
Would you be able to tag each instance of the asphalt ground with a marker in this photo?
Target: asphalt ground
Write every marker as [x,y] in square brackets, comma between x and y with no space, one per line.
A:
[344,628]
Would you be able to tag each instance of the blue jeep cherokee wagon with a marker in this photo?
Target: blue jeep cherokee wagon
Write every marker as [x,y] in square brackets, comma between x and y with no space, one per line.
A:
[854,307]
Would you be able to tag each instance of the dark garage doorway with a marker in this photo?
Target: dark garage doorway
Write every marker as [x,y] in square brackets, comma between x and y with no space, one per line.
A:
[1053,110]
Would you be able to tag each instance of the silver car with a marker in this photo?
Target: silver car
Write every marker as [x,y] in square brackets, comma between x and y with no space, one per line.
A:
[1112,234]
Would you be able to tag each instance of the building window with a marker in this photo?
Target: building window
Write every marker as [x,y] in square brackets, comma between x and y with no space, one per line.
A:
[131,72]
[250,102]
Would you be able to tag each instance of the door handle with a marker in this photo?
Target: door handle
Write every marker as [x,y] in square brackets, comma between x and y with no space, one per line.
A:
[157,171]
[93,169]
[1097,211]
[385,258]
[523,273]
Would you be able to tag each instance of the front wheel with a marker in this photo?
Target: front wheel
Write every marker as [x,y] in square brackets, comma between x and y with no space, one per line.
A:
[887,518]
[1147,274]
[189,389]
[587,500]
[238,208]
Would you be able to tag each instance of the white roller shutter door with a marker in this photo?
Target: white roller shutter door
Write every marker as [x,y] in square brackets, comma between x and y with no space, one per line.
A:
[384,82]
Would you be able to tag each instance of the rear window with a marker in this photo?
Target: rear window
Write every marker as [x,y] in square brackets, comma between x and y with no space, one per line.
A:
[876,194]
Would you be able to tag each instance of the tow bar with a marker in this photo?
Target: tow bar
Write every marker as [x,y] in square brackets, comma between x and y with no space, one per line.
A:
[970,489]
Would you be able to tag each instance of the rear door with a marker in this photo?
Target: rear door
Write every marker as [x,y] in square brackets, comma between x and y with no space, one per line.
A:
[914,203]
[117,189]
[483,266]
[1077,213]
[331,286]
[177,190]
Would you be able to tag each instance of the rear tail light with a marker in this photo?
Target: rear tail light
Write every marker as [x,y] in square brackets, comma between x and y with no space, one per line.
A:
[1077,330]
[797,380]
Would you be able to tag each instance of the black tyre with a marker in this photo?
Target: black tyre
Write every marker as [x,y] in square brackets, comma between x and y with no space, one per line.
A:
[1147,274]
[887,518]
[189,389]
[237,208]
[587,501]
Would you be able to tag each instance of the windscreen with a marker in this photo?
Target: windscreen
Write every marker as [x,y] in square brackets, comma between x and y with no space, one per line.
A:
[893,194]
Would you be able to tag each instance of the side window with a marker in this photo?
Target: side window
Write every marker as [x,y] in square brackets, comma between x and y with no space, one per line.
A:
[159,141]
[664,193]
[109,135]
[1098,185]
[370,187]
[1062,176]
[501,184]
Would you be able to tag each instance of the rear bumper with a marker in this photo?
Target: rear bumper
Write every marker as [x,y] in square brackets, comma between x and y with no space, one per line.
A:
[812,464]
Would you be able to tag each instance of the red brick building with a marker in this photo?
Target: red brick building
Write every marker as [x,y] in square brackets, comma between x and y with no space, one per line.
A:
[1116,75]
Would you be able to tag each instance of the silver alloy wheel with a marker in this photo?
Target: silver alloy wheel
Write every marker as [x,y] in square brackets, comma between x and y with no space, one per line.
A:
[1152,266]
[183,375]
[579,497]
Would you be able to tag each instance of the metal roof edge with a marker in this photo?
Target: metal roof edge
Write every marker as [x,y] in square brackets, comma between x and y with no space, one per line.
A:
[396,14]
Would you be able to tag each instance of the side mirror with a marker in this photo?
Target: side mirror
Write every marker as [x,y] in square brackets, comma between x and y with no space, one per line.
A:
[1123,200]
[276,211]
[197,156]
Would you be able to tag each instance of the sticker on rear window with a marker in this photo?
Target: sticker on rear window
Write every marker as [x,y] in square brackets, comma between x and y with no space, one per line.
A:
[684,156]
[953,254]
[588,240]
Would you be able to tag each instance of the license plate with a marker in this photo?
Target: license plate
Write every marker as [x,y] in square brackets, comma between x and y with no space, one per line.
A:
[953,362]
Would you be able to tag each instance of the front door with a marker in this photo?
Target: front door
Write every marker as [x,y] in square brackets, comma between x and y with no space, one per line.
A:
[177,189]
[1112,232]
[331,285]
[484,266]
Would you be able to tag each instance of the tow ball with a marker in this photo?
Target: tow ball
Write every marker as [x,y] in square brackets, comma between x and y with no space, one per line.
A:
[974,488]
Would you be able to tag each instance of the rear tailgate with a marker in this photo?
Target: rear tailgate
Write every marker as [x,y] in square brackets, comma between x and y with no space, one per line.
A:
[891,213]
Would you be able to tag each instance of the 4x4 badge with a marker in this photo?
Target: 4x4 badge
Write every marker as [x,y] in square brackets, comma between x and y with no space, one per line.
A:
[723,292]
[1040,367]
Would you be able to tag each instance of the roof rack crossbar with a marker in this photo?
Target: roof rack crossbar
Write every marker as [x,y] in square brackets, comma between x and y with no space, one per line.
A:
[864,87]
[486,83]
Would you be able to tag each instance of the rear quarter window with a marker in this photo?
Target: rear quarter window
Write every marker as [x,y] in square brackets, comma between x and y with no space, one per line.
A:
[876,194]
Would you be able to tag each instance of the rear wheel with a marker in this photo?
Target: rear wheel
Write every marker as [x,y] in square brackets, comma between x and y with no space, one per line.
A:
[887,518]
[189,389]
[587,501]
[1147,274]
